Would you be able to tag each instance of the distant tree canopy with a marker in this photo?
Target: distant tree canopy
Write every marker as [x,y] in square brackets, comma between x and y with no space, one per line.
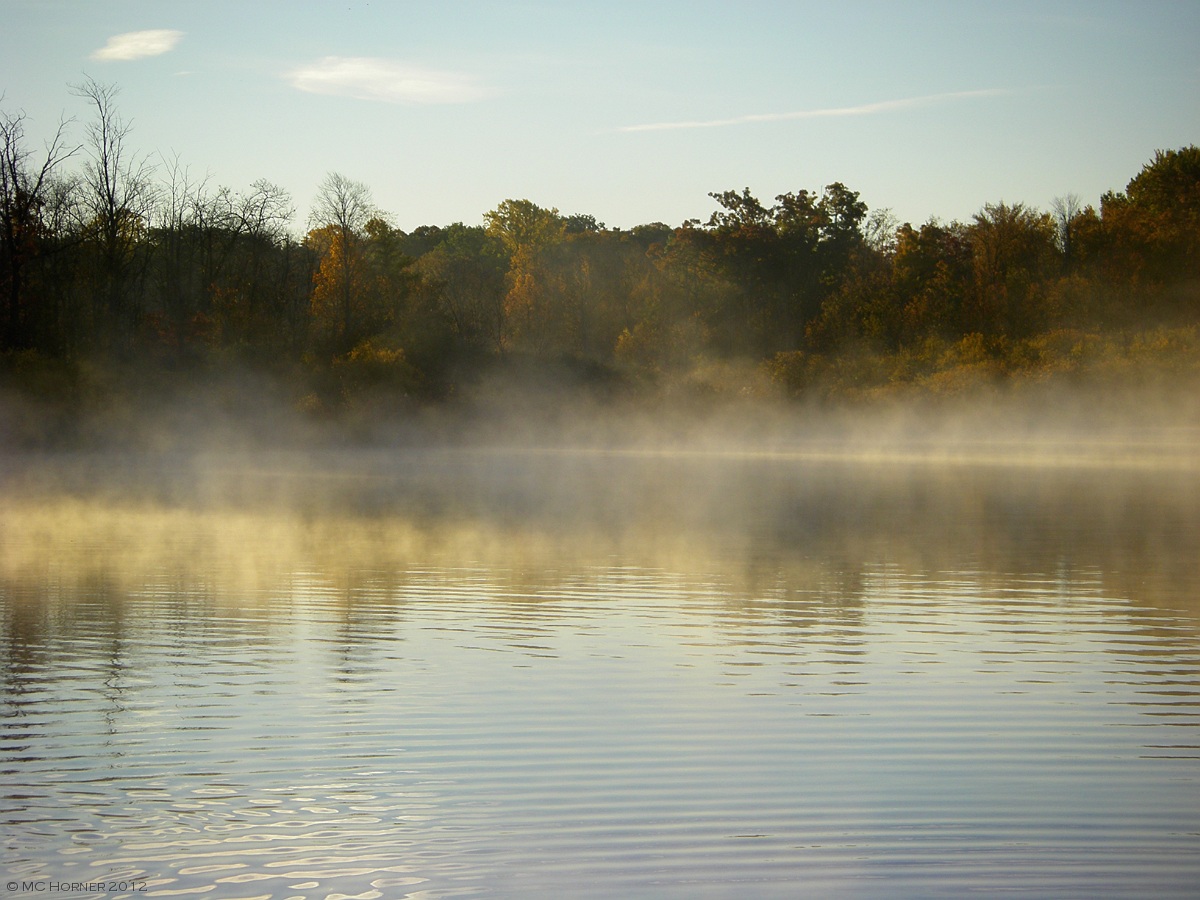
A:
[104,251]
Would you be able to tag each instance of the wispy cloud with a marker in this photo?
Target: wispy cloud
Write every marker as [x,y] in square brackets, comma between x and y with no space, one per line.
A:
[865,109]
[138,44]
[367,78]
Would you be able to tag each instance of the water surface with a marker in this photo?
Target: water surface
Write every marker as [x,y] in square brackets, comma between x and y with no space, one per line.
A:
[441,675]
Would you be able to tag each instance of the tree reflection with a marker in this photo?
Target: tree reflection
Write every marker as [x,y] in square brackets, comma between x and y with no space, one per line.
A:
[773,538]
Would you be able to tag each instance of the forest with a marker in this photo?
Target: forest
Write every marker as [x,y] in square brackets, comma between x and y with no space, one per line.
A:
[123,278]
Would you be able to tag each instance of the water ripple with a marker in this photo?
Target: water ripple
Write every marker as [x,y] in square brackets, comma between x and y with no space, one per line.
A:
[430,724]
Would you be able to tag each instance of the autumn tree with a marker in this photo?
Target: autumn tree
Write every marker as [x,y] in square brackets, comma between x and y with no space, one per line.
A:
[787,259]
[1013,248]
[1163,214]
[739,212]
[676,300]
[932,275]
[879,233]
[522,225]
[526,230]
[582,223]
[338,224]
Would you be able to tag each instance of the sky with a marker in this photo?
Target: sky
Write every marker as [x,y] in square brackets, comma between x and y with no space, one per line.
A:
[629,111]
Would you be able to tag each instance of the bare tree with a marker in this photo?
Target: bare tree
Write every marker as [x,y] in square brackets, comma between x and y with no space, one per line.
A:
[24,187]
[266,211]
[340,213]
[343,203]
[1066,210]
[214,259]
[184,207]
[119,199]
[261,216]
[879,231]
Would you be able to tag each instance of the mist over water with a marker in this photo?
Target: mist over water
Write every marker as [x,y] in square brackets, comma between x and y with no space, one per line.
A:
[792,551]
[536,648]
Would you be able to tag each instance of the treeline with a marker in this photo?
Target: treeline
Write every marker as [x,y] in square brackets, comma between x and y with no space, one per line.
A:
[106,255]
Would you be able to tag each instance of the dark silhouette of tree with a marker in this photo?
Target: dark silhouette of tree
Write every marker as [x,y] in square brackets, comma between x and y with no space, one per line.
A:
[1013,250]
[25,183]
[117,259]
[465,273]
[118,198]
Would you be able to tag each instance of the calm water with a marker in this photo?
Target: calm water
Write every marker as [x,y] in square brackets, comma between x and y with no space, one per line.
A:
[522,675]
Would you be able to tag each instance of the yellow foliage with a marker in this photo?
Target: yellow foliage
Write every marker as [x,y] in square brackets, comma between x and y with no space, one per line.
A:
[370,365]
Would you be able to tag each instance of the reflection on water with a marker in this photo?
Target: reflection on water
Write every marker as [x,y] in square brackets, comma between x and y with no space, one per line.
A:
[600,676]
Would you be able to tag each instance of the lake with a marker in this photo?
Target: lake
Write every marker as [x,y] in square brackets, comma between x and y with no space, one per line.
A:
[599,674]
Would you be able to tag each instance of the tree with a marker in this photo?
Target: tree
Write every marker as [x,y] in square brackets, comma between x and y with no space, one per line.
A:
[24,185]
[842,242]
[1066,211]
[189,223]
[842,213]
[592,276]
[526,230]
[581,223]
[466,274]
[1013,248]
[390,274]
[264,264]
[522,225]
[931,274]
[651,234]
[343,203]
[674,296]
[741,211]
[254,267]
[423,239]
[799,218]
[339,218]
[1165,198]
[118,198]
[744,248]
[265,211]
[879,232]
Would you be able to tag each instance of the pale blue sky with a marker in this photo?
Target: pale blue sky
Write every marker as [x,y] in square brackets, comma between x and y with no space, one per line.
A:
[630,111]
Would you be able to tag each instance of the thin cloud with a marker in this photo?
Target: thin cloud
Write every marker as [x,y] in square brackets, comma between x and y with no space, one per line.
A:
[367,78]
[865,109]
[138,44]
